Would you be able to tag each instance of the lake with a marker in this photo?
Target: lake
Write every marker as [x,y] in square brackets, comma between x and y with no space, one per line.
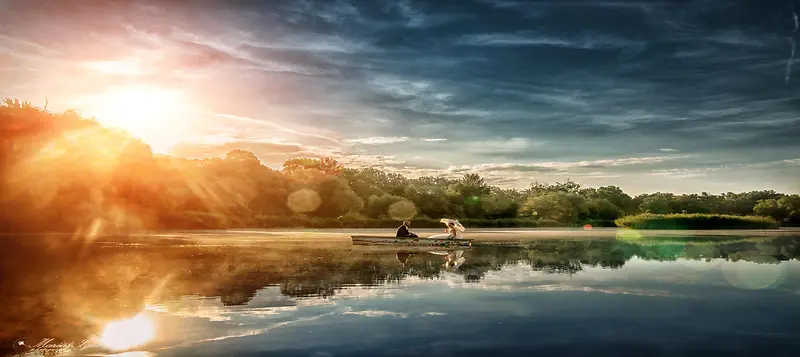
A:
[170,296]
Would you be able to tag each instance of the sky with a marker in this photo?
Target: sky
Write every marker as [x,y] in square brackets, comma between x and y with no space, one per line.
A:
[680,96]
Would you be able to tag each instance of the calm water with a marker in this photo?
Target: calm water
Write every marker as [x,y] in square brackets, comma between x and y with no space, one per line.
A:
[565,298]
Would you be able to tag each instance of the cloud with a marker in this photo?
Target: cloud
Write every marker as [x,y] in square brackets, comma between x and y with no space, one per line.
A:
[315,43]
[377,140]
[737,37]
[415,96]
[543,90]
[267,151]
[793,162]
[562,166]
[504,145]
[385,162]
[530,38]
[623,161]
[277,126]
[484,168]
[705,171]
[205,51]
[668,150]
[509,39]
[684,173]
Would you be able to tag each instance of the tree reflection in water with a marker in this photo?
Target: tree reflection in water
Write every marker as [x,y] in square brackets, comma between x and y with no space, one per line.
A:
[60,289]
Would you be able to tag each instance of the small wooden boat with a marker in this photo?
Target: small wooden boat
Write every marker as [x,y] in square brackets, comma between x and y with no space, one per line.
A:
[422,242]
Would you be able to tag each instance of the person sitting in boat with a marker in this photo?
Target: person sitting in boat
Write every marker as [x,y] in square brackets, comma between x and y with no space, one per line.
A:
[403,232]
[452,231]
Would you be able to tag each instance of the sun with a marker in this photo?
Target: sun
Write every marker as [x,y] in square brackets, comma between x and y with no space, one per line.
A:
[128,333]
[150,113]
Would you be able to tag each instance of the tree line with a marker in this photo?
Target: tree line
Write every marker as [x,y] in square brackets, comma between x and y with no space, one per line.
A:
[64,172]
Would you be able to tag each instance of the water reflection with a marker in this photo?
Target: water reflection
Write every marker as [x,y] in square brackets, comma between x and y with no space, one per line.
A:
[203,295]
[452,258]
[128,333]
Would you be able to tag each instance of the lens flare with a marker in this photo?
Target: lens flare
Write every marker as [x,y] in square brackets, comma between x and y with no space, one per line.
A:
[402,210]
[754,276]
[304,201]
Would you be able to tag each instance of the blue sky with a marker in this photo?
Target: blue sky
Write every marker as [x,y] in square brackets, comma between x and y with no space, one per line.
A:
[651,96]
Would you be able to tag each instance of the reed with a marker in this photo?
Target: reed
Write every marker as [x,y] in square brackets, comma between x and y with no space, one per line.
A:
[700,221]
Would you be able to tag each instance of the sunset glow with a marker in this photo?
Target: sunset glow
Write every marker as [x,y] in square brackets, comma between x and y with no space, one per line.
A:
[123,67]
[150,113]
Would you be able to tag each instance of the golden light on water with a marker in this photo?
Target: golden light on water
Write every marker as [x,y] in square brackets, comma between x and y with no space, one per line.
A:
[132,354]
[128,333]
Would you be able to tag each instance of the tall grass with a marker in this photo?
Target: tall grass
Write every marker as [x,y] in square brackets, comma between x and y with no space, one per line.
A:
[695,221]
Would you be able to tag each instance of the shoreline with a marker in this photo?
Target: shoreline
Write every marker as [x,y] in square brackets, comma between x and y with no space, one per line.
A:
[342,235]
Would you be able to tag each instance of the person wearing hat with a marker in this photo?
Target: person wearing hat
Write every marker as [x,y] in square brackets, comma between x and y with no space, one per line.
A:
[403,232]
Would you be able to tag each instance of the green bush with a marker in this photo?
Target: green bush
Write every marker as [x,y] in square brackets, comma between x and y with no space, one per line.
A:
[548,223]
[695,221]
[596,223]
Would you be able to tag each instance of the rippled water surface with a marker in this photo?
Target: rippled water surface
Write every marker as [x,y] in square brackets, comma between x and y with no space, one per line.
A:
[171,297]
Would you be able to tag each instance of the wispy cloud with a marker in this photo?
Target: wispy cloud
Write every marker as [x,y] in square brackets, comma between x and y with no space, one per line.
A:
[668,150]
[684,173]
[705,171]
[512,39]
[530,38]
[378,140]
[378,161]
[485,168]
[431,140]
[563,166]
[738,37]
[276,126]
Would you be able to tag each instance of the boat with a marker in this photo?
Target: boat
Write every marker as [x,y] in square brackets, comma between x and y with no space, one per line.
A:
[440,240]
